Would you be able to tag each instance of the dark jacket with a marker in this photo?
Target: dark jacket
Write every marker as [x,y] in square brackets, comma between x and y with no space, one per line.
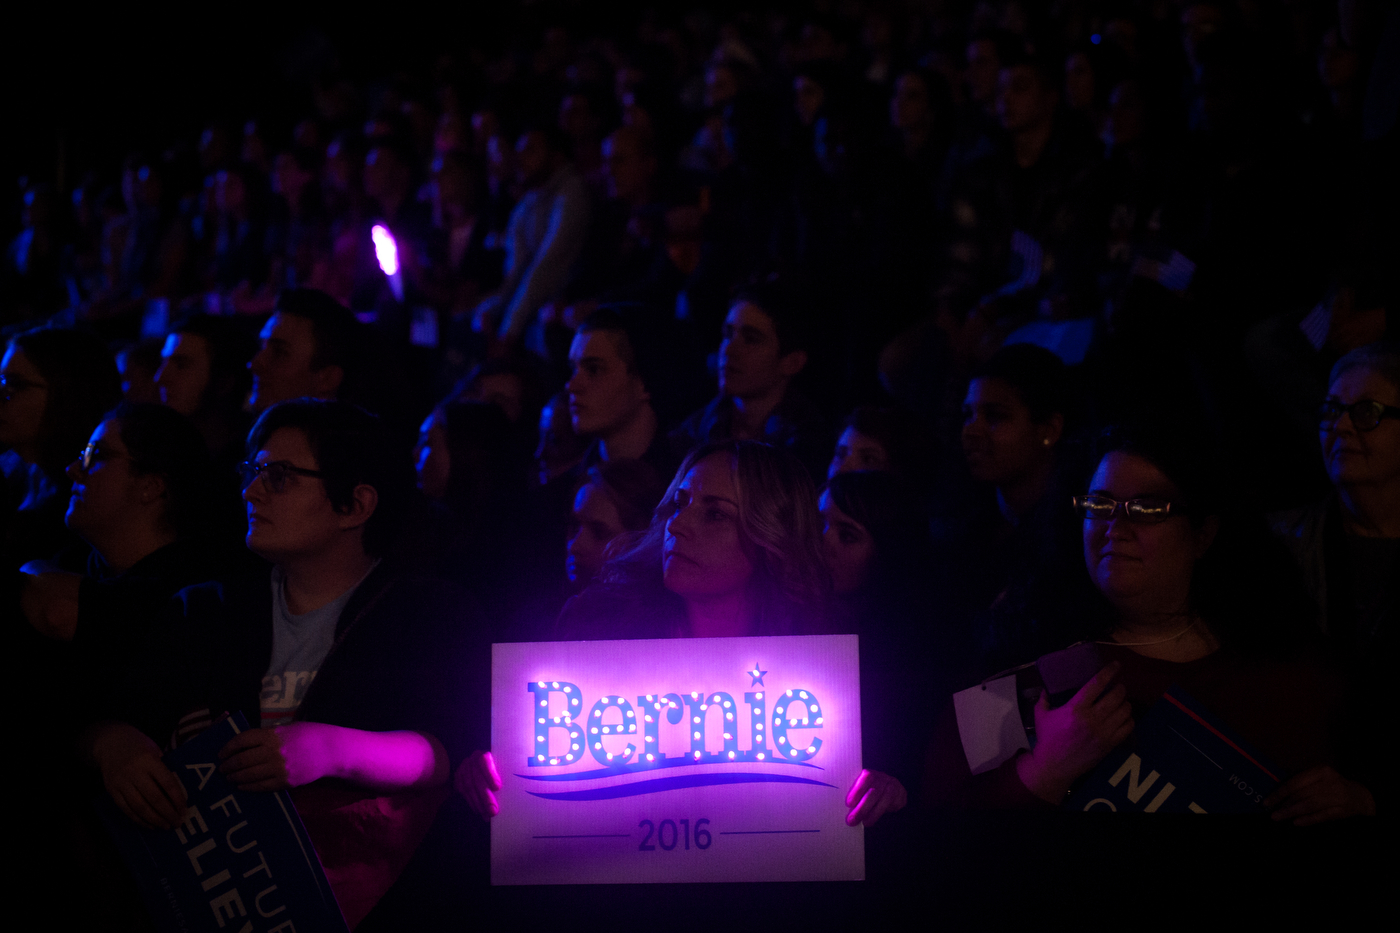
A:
[401,660]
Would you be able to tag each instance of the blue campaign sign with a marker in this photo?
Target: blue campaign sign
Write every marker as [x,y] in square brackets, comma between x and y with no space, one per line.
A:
[1181,759]
[241,860]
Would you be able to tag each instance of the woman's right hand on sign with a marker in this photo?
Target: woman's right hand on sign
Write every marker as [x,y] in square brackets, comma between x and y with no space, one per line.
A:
[478,781]
[1072,739]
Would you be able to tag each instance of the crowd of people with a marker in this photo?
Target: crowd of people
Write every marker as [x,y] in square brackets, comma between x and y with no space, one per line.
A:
[976,329]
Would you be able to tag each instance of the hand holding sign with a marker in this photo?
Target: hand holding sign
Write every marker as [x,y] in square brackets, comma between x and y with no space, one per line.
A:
[874,794]
[1318,795]
[275,759]
[478,781]
[135,777]
[1073,738]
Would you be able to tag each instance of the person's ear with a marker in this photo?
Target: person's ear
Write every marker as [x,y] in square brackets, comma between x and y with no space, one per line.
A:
[326,381]
[363,501]
[791,364]
[1052,429]
[1205,535]
[151,487]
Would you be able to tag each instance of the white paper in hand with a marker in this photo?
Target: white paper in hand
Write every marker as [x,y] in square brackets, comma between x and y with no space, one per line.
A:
[989,723]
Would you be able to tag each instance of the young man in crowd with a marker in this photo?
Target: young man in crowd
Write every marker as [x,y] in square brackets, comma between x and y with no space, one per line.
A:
[310,346]
[204,376]
[613,357]
[344,664]
[764,348]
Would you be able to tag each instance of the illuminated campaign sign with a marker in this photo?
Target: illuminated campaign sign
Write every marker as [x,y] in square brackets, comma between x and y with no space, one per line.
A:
[705,759]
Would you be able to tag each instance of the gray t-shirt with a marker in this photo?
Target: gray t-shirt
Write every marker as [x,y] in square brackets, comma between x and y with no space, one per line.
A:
[300,644]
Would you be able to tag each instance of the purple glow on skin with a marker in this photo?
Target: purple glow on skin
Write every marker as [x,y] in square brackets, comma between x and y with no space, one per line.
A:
[385,249]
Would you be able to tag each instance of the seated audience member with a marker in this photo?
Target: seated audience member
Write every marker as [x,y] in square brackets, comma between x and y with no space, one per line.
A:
[309,346]
[139,489]
[875,543]
[204,376]
[560,450]
[617,358]
[140,497]
[346,661]
[1348,545]
[764,347]
[1182,589]
[137,363]
[734,550]
[615,497]
[505,383]
[1016,525]
[469,467]
[882,439]
[543,240]
[55,385]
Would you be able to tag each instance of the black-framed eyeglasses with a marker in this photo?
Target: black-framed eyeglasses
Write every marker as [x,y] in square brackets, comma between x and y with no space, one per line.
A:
[1365,414]
[274,473]
[94,454]
[1144,511]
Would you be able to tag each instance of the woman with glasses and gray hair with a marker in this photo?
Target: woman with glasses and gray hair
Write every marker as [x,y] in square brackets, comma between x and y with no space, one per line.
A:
[1183,587]
[1347,546]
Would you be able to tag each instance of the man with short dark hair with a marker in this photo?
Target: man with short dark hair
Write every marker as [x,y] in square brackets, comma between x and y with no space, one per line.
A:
[764,347]
[342,660]
[309,345]
[610,395]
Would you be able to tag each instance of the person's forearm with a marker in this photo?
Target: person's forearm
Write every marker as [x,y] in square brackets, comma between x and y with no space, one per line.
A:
[384,761]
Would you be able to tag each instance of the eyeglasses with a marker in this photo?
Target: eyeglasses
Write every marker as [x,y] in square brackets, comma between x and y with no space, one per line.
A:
[1365,414]
[1144,511]
[10,387]
[93,454]
[274,473]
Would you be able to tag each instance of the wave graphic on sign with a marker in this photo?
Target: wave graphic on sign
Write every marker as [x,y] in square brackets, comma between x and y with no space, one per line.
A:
[679,782]
[635,767]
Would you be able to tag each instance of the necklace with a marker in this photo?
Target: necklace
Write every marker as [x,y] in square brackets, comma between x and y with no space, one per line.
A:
[1146,644]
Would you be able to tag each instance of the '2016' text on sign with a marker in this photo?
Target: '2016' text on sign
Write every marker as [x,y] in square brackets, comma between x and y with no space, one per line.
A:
[714,759]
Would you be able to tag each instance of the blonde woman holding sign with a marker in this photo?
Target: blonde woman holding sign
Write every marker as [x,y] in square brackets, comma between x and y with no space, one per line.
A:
[734,550]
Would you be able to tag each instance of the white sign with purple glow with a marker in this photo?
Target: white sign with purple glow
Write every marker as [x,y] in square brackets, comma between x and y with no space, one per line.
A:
[676,760]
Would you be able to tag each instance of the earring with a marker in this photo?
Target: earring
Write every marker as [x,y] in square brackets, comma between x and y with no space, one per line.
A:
[1045,441]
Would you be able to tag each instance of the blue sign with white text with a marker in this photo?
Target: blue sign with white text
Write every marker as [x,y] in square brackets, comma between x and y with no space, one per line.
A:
[1180,759]
[241,861]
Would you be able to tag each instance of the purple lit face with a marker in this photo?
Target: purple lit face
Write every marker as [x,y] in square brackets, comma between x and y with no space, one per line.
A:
[282,368]
[857,451]
[1000,441]
[592,527]
[604,392]
[299,521]
[850,551]
[105,495]
[703,555]
[1362,457]
[1134,562]
[22,402]
[185,368]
